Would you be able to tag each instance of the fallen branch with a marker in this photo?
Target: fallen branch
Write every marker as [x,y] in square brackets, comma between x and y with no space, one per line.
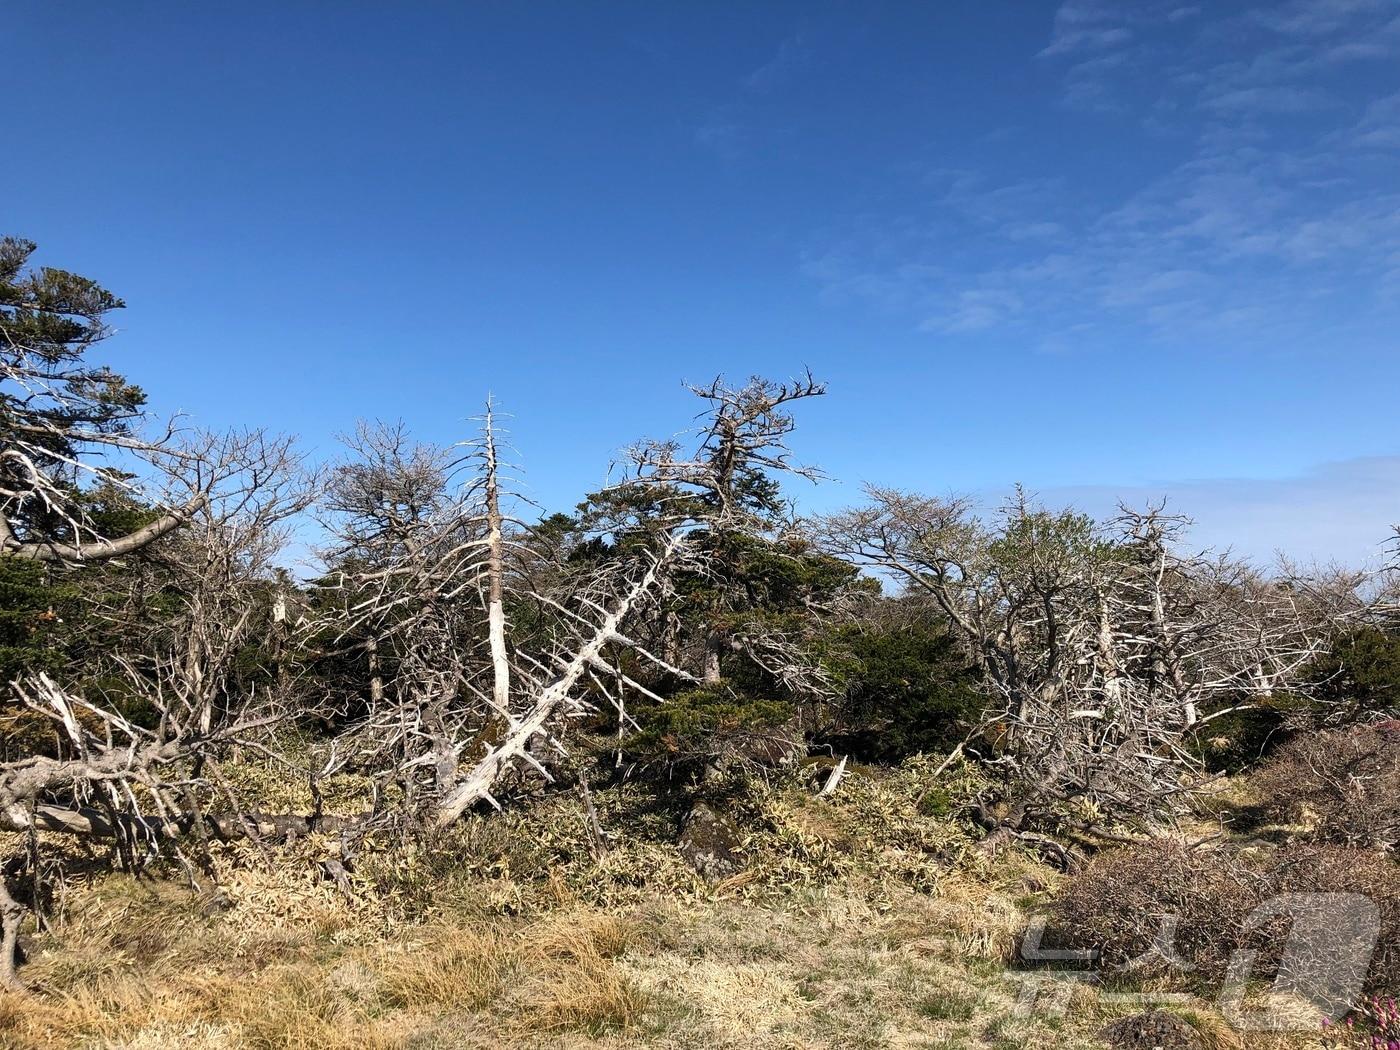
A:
[838,774]
[88,822]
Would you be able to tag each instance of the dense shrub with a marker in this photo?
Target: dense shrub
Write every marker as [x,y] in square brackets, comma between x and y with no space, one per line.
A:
[711,723]
[909,689]
[1337,869]
[1237,741]
[1361,674]
[1150,908]
[1343,785]
[33,612]
[1118,904]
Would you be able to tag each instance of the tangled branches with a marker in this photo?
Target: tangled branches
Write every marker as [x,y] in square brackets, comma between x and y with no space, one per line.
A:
[1104,646]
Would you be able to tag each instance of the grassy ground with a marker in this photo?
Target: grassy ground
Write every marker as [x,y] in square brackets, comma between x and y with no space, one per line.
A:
[859,922]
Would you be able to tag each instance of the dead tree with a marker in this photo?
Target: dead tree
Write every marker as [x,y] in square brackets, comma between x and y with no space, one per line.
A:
[145,789]
[402,587]
[1102,646]
[385,510]
[495,564]
[465,703]
[156,786]
[722,488]
[579,652]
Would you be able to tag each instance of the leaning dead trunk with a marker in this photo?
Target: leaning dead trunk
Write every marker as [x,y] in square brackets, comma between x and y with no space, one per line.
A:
[553,698]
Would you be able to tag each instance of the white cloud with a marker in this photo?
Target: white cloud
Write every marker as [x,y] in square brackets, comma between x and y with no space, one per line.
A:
[1274,99]
[1032,231]
[978,310]
[1087,40]
[1379,126]
[1087,25]
[1312,18]
[726,129]
[1341,511]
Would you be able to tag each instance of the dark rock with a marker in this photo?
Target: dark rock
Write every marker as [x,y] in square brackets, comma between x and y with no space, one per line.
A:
[1154,1030]
[710,843]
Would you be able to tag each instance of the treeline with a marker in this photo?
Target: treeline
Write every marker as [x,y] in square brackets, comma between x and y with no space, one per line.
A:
[681,624]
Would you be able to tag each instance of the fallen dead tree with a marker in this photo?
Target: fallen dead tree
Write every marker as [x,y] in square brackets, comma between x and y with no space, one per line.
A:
[151,782]
[139,787]
[554,699]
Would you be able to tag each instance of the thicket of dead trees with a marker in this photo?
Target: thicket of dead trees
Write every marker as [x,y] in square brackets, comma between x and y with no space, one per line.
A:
[460,649]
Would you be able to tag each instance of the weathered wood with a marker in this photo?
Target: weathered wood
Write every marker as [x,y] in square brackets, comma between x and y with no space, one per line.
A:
[11,915]
[838,774]
[99,550]
[553,697]
[87,822]
[495,573]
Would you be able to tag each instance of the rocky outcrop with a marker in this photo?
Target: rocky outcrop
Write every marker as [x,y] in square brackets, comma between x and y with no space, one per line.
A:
[710,843]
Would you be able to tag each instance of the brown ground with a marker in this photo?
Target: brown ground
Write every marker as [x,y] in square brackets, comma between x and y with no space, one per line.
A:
[858,923]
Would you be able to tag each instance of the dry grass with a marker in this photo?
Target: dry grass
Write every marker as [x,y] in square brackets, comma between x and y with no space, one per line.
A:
[581,991]
[296,1006]
[439,966]
[1214,1031]
[859,923]
[308,986]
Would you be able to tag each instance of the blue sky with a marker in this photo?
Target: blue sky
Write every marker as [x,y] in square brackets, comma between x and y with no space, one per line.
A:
[1106,249]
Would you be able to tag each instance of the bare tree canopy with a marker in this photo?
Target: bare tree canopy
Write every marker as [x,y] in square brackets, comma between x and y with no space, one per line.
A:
[1104,644]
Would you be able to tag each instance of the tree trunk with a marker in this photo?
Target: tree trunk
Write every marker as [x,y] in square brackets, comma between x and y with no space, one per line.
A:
[100,550]
[376,680]
[11,915]
[714,647]
[495,571]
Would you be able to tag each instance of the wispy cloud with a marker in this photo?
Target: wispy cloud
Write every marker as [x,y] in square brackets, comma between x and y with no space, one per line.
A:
[723,130]
[1314,18]
[1283,193]
[1277,98]
[1085,25]
[792,56]
[981,309]
[1343,511]
[721,133]
[1379,126]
